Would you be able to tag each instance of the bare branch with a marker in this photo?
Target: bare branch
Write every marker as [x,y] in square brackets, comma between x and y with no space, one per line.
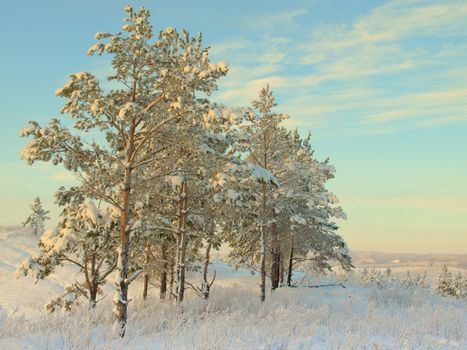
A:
[147,159]
[65,258]
[134,276]
[213,279]
[109,271]
[153,103]
[197,290]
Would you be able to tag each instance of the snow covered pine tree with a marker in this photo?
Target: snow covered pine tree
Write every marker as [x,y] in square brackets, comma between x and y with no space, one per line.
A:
[157,80]
[285,197]
[36,219]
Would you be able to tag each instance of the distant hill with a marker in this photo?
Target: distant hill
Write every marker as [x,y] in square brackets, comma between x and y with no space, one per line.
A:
[410,261]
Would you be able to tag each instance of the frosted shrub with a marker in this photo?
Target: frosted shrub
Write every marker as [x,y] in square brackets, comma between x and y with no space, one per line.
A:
[418,280]
[381,278]
[373,277]
[446,285]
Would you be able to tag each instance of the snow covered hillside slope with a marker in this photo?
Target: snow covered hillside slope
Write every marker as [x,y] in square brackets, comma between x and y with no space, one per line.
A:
[23,296]
[292,318]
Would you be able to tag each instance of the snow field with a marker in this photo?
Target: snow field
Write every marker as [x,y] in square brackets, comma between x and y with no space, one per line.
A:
[233,318]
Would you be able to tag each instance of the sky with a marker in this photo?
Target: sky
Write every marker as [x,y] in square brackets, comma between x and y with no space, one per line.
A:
[381,85]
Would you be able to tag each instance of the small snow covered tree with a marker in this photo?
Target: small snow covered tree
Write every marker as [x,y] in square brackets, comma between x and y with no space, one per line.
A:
[459,285]
[37,217]
[85,237]
[444,285]
[449,285]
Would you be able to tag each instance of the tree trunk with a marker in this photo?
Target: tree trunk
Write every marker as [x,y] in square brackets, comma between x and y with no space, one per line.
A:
[146,272]
[276,263]
[123,256]
[180,282]
[171,281]
[93,296]
[205,287]
[289,270]
[262,269]
[181,243]
[262,281]
[145,285]
[163,274]
[282,271]
[275,254]
[122,286]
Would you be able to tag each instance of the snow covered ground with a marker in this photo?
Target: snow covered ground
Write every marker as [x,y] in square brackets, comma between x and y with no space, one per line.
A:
[291,318]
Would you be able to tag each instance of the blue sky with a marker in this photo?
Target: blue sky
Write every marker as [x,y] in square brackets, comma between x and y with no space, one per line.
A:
[380,84]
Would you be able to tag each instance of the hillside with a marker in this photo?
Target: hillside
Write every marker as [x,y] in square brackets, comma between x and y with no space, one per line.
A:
[292,318]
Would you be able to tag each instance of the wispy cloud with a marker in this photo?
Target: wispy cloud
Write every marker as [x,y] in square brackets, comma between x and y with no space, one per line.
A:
[424,107]
[401,18]
[401,65]
[276,20]
[234,44]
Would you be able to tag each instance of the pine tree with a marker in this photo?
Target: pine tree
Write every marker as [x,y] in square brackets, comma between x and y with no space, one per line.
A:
[459,286]
[202,154]
[282,188]
[306,210]
[37,218]
[449,285]
[445,285]
[157,81]
[263,149]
